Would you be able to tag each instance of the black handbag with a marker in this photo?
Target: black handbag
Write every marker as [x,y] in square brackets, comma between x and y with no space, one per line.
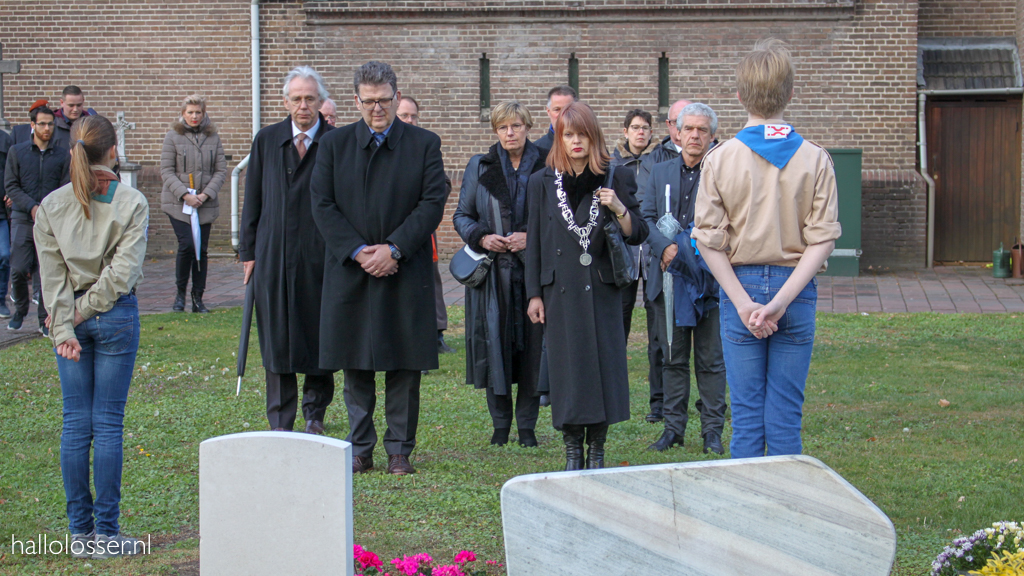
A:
[623,263]
[469,267]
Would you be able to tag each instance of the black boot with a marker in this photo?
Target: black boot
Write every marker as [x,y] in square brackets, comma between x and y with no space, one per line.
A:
[500,436]
[197,303]
[527,439]
[596,435]
[179,301]
[442,346]
[573,438]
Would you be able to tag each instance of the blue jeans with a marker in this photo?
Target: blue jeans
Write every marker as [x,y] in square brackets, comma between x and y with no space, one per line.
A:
[5,256]
[95,390]
[767,377]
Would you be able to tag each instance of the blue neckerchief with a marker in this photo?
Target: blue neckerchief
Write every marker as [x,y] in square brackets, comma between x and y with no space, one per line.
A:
[777,151]
[516,181]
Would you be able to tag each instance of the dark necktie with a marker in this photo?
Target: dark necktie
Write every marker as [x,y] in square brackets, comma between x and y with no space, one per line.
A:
[378,138]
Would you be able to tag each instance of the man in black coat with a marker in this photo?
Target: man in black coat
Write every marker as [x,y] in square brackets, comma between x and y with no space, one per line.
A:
[378,193]
[559,98]
[33,170]
[5,231]
[283,253]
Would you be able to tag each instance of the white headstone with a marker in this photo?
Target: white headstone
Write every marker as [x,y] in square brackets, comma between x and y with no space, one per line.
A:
[274,503]
[777,516]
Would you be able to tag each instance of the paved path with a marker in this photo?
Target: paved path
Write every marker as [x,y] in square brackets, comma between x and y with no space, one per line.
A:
[943,289]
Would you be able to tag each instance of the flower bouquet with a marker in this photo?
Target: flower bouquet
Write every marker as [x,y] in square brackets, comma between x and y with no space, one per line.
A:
[1000,545]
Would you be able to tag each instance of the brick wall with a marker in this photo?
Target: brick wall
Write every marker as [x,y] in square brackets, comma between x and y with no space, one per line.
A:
[968,18]
[855,77]
[894,219]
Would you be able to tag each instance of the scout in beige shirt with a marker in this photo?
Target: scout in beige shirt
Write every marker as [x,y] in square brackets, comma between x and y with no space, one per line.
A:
[101,255]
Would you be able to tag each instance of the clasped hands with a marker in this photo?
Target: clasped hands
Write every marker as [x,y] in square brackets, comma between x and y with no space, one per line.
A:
[514,242]
[70,349]
[376,260]
[762,320]
[195,200]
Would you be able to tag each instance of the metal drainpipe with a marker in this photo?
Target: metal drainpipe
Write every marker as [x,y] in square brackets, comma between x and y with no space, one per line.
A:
[923,151]
[254,26]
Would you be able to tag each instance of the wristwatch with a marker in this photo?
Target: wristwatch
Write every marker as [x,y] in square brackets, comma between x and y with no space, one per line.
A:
[395,252]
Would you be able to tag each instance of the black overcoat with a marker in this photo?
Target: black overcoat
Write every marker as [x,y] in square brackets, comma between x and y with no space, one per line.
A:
[393,194]
[586,341]
[277,231]
[474,218]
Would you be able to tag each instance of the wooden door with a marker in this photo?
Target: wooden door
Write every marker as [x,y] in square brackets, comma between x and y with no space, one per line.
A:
[974,155]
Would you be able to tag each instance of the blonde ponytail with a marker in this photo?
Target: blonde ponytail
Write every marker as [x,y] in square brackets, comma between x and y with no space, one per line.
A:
[91,139]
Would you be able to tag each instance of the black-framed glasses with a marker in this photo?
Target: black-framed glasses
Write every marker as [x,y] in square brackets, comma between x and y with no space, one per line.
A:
[384,103]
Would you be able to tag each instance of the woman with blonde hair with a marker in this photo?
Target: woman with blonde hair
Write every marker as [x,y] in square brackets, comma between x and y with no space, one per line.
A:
[502,346]
[91,239]
[193,169]
[571,284]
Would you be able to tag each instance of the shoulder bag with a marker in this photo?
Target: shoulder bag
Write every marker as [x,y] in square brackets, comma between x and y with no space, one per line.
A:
[469,267]
[624,266]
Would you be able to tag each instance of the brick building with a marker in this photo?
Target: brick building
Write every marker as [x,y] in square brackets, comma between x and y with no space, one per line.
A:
[857,78]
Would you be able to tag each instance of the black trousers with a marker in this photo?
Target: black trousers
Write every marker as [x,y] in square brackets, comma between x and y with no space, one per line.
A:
[655,358]
[401,410]
[710,368]
[282,397]
[526,408]
[24,263]
[186,259]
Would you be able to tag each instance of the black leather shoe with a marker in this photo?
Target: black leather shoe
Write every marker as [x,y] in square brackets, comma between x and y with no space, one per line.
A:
[572,436]
[315,427]
[500,436]
[545,400]
[197,303]
[527,439]
[596,436]
[656,415]
[713,443]
[362,464]
[668,439]
[179,301]
[442,346]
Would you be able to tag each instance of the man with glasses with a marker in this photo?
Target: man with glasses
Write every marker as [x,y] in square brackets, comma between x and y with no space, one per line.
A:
[378,193]
[282,252]
[329,110]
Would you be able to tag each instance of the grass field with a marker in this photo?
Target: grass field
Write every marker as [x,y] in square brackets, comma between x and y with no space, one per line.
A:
[872,413]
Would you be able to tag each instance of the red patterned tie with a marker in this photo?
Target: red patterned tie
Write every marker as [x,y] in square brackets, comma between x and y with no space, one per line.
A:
[300,144]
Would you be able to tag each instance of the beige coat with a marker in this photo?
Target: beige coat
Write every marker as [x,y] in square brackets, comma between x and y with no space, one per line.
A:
[759,214]
[101,255]
[199,153]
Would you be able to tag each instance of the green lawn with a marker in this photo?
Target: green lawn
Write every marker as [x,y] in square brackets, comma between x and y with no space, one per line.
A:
[872,414]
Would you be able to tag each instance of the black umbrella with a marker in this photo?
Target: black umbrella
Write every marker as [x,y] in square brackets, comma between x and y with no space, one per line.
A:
[243,339]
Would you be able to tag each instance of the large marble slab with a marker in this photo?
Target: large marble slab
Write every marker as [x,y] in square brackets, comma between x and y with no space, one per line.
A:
[273,503]
[774,516]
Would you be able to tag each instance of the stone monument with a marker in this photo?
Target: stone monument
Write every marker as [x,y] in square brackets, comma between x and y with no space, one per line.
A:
[775,516]
[273,503]
[6,67]
[129,170]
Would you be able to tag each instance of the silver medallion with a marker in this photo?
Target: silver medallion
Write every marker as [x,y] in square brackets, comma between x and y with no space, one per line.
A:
[586,259]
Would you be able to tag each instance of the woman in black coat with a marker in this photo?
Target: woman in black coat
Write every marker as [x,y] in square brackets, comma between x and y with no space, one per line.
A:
[571,284]
[502,346]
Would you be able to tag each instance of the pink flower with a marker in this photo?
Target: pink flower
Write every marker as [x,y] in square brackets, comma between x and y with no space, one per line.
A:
[449,570]
[423,558]
[464,557]
[368,559]
[408,566]
[357,550]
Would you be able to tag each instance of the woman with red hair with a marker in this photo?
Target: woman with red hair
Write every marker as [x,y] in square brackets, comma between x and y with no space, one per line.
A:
[571,284]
